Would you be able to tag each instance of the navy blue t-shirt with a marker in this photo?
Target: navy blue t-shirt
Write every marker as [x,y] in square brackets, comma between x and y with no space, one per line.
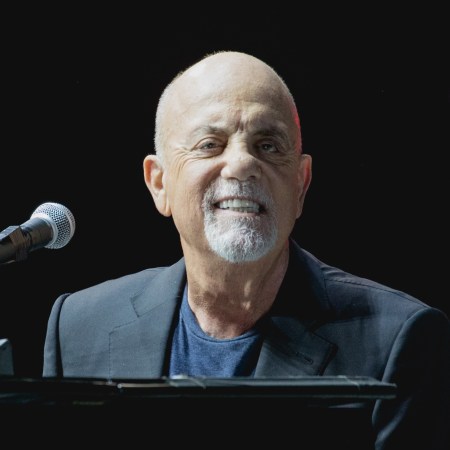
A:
[196,354]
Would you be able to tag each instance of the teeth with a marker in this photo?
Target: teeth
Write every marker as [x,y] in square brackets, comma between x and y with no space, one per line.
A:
[239,205]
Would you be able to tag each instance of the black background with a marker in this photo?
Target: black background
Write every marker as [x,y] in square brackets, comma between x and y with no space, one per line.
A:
[79,96]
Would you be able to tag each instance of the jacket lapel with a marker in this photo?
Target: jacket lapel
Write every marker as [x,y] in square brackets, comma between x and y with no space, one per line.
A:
[291,350]
[138,349]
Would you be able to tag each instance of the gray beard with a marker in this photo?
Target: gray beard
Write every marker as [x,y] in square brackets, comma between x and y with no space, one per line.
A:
[239,239]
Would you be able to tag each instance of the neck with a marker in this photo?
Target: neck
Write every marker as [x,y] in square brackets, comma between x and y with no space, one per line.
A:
[228,299]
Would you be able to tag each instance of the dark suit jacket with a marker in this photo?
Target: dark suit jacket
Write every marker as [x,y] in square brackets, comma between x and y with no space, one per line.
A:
[324,322]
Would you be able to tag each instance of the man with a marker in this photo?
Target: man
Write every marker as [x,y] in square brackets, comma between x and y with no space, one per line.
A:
[246,300]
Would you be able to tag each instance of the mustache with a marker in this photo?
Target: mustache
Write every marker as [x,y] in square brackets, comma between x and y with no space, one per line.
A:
[221,189]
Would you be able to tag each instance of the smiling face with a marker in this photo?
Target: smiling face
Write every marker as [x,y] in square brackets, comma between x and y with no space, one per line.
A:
[233,176]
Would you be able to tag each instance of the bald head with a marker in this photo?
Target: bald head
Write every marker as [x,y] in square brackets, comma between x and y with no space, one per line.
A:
[219,77]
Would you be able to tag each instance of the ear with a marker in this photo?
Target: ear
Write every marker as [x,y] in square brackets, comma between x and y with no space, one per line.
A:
[155,181]
[304,180]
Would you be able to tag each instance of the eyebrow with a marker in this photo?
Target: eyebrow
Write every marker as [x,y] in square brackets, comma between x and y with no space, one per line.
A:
[263,132]
[272,131]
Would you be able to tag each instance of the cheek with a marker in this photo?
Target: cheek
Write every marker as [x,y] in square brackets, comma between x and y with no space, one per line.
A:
[187,213]
[185,197]
[288,202]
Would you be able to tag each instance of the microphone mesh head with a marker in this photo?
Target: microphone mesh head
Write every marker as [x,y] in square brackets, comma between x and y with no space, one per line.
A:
[61,220]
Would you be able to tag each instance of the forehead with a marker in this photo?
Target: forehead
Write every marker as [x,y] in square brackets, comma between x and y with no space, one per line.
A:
[226,117]
[234,104]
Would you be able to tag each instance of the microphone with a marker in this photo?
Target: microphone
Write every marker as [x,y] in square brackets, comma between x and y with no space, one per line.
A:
[51,225]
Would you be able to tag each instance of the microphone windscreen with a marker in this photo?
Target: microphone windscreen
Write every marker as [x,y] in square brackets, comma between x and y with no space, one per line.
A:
[61,219]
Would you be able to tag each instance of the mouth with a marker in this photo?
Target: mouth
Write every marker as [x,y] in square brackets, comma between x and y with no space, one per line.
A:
[240,205]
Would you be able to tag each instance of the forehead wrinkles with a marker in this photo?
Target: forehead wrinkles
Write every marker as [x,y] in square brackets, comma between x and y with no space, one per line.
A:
[254,119]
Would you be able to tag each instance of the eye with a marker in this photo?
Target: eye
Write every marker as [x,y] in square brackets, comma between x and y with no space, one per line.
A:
[268,147]
[209,145]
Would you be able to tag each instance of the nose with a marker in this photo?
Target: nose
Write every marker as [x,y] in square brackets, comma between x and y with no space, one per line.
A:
[240,163]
